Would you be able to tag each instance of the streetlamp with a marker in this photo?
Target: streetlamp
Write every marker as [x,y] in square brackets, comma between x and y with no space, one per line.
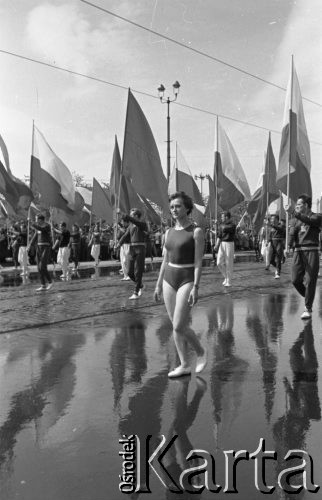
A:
[201,177]
[167,101]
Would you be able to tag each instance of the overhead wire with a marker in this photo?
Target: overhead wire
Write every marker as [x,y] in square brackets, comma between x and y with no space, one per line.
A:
[140,92]
[192,49]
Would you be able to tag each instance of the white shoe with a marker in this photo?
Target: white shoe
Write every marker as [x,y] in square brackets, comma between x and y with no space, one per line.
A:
[49,286]
[140,291]
[42,288]
[179,372]
[227,283]
[134,296]
[201,362]
[307,314]
[224,282]
[277,276]
[127,278]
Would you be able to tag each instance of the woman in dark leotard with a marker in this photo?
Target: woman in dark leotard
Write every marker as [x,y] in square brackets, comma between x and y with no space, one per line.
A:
[179,280]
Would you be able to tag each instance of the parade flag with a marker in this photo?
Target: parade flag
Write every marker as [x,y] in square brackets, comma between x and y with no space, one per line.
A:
[229,176]
[5,154]
[86,195]
[267,193]
[122,193]
[151,214]
[181,180]
[23,195]
[141,162]
[49,176]
[8,187]
[280,210]
[212,206]
[101,205]
[294,157]
[115,176]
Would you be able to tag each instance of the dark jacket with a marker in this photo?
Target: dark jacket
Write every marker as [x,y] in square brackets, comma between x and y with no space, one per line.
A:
[137,230]
[226,231]
[305,230]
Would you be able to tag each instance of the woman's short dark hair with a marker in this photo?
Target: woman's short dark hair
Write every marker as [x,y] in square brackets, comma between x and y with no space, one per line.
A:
[306,199]
[187,201]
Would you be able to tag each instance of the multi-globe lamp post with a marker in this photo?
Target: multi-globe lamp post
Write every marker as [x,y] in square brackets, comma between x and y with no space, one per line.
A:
[167,100]
[202,178]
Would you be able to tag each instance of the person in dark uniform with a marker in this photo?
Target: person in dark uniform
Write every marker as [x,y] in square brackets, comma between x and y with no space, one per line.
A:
[305,239]
[276,238]
[138,231]
[75,245]
[44,243]
[179,279]
[63,249]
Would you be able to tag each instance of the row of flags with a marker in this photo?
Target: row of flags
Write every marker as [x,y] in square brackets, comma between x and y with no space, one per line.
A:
[137,179]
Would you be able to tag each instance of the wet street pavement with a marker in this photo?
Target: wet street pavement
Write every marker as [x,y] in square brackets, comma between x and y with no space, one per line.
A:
[81,366]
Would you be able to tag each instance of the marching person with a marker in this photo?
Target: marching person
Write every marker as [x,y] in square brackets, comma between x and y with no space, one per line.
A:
[179,279]
[43,238]
[265,244]
[137,230]
[304,237]
[21,236]
[22,253]
[75,245]
[95,242]
[124,250]
[63,249]
[276,238]
[225,247]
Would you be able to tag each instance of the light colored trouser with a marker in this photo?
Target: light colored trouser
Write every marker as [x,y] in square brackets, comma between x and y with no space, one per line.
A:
[225,259]
[23,258]
[266,252]
[63,259]
[95,252]
[124,258]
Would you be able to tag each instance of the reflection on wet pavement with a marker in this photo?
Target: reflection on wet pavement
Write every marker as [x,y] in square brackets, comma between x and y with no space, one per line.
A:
[70,392]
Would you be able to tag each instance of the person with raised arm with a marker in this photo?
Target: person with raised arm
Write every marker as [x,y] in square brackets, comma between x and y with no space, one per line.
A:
[44,243]
[304,238]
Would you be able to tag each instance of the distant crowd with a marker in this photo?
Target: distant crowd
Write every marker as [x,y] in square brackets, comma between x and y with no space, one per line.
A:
[11,240]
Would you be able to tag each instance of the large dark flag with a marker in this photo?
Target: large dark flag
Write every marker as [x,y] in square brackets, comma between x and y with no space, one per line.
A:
[295,155]
[267,192]
[101,205]
[229,176]
[141,162]
[19,193]
[122,193]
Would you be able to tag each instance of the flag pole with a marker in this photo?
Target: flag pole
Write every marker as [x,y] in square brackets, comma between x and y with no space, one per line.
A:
[289,158]
[32,152]
[266,162]
[176,167]
[216,177]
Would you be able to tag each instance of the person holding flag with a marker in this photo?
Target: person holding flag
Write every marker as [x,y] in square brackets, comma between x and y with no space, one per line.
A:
[225,247]
[304,236]
[44,243]
[276,238]
[137,230]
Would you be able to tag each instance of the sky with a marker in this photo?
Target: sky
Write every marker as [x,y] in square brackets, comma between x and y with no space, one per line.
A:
[80,117]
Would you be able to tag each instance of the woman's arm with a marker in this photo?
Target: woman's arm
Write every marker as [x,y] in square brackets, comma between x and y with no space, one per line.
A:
[199,250]
[158,286]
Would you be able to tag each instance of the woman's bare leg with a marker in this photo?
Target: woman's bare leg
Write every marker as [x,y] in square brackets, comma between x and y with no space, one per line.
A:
[179,310]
